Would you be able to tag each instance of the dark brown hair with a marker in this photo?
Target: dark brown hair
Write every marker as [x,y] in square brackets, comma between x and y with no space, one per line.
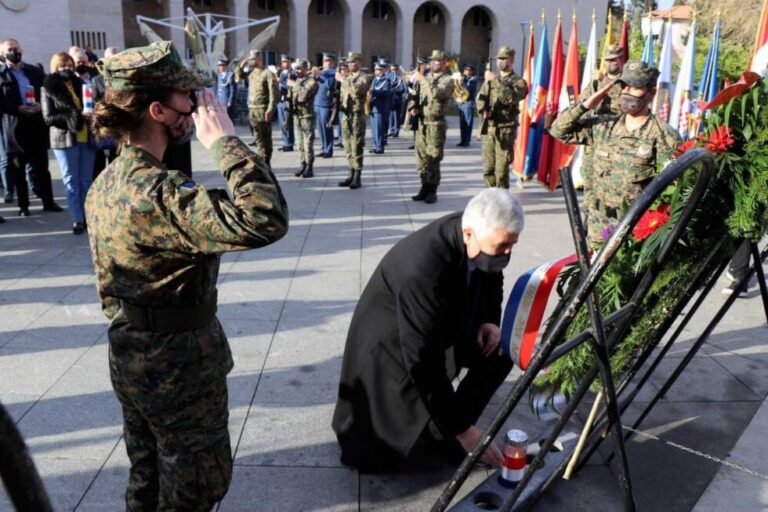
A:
[121,113]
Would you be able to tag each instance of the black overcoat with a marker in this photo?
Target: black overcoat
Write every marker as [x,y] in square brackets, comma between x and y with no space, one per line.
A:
[416,313]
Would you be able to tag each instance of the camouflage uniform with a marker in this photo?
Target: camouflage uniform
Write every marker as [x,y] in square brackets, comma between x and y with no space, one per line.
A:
[354,91]
[302,101]
[623,161]
[435,91]
[156,239]
[500,97]
[263,95]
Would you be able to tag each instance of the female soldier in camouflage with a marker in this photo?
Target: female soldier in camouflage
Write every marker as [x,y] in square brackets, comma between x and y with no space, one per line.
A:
[156,238]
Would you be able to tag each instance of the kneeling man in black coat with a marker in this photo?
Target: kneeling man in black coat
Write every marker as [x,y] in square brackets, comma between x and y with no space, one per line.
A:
[431,308]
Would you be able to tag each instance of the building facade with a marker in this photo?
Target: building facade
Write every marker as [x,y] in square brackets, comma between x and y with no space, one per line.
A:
[400,30]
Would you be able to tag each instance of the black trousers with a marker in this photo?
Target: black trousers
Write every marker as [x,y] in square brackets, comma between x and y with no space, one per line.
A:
[40,176]
[739,265]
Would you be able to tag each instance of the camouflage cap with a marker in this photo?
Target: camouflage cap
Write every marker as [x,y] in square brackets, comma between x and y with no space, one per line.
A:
[437,55]
[302,63]
[639,74]
[352,56]
[505,52]
[613,51]
[157,66]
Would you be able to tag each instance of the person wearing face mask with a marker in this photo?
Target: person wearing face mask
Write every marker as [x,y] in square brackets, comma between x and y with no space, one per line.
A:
[82,69]
[626,148]
[62,103]
[431,308]
[156,240]
[614,63]
[498,101]
[25,134]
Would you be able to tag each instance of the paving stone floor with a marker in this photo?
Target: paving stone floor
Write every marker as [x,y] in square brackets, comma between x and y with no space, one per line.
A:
[286,309]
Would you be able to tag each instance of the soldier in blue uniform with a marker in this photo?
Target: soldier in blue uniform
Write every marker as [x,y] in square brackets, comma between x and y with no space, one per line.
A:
[398,93]
[286,128]
[338,136]
[326,89]
[226,87]
[381,99]
[467,109]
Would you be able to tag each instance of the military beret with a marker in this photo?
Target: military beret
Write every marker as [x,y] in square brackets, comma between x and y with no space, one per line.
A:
[437,55]
[157,66]
[505,52]
[613,51]
[329,56]
[639,74]
[351,56]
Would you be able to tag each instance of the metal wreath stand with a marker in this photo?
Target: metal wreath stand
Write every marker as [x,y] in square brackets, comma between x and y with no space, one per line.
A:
[491,496]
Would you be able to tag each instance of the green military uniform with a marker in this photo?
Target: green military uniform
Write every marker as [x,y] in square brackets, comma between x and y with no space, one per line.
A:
[623,161]
[501,97]
[263,95]
[354,91]
[156,238]
[301,98]
[435,91]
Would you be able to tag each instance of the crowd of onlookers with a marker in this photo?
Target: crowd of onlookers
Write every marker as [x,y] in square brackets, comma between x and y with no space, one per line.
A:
[44,109]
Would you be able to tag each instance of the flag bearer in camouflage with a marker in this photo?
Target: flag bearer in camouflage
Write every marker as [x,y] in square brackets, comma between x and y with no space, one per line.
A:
[626,148]
[263,96]
[156,238]
[498,101]
[301,101]
[354,89]
[435,92]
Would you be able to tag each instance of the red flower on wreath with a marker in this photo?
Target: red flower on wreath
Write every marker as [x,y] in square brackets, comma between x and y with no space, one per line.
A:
[719,140]
[685,146]
[650,222]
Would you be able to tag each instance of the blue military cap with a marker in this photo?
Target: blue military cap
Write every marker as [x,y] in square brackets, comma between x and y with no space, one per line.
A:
[284,56]
[469,66]
[378,65]
[424,60]
[384,62]
[329,56]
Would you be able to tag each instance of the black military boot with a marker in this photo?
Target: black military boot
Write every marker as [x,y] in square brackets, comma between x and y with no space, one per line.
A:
[355,183]
[346,182]
[301,171]
[308,173]
[431,194]
[422,193]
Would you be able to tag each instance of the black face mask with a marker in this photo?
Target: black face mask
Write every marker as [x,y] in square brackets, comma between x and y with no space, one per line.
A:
[82,69]
[13,56]
[632,105]
[491,264]
[65,74]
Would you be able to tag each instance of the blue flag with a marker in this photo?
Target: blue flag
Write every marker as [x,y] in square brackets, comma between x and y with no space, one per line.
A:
[537,105]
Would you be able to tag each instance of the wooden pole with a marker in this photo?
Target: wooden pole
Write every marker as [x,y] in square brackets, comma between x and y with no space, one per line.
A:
[583,437]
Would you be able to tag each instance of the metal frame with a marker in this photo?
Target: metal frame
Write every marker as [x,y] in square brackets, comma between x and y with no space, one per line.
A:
[620,320]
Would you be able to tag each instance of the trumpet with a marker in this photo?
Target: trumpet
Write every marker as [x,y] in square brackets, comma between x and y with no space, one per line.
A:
[460,93]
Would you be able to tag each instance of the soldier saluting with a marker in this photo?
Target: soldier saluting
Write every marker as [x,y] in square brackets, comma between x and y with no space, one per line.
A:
[156,238]
[497,102]
[301,102]
[354,90]
[435,91]
[626,147]
[613,59]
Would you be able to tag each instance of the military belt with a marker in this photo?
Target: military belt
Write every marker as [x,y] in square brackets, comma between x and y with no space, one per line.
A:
[170,320]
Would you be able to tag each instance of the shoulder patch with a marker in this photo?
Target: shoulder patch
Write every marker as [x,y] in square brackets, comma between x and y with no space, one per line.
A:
[189,184]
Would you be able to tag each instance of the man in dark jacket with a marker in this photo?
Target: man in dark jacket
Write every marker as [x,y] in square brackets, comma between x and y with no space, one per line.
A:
[25,134]
[431,308]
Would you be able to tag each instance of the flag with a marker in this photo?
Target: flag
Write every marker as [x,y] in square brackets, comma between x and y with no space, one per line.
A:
[681,103]
[624,41]
[537,98]
[524,123]
[544,170]
[608,38]
[661,103]
[590,64]
[708,85]
[648,55]
[759,60]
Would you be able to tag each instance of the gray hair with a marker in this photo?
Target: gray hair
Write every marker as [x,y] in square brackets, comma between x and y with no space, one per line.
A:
[491,209]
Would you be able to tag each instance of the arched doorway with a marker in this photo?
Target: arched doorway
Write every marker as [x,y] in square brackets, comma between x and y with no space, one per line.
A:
[380,20]
[325,20]
[476,35]
[429,29]
[259,9]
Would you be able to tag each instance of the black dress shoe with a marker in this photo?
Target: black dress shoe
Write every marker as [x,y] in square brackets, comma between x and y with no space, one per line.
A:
[339,145]
[52,207]
[410,147]
[252,143]
[78,228]
[8,197]
[326,155]
[23,212]
[2,220]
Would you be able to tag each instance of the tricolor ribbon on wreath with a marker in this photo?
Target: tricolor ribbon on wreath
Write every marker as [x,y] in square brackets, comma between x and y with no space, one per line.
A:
[525,309]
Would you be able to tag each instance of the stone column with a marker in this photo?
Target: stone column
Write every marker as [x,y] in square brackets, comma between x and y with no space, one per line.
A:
[404,43]
[175,9]
[238,40]
[453,23]
[299,28]
[353,38]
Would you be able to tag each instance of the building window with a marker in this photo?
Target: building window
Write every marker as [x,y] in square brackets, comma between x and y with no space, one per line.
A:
[269,58]
[380,10]
[481,18]
[267,5]
[431,14]
[89,39]
[204,3]
[325,7]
